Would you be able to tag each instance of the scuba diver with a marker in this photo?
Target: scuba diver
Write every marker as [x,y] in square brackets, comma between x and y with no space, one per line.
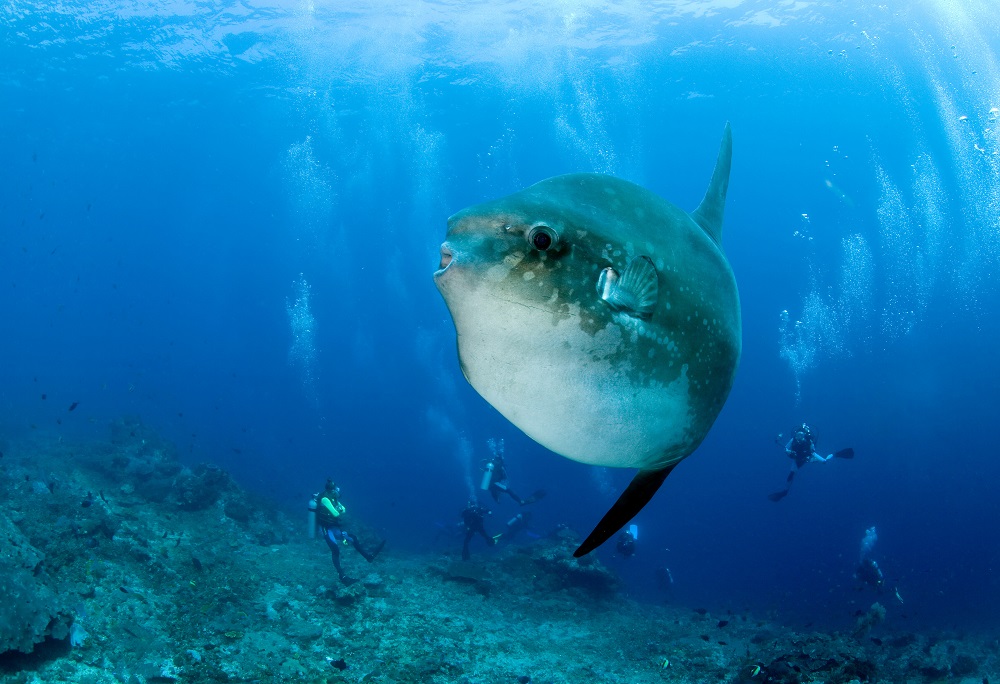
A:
[868,572]
[664,578]
[473,517]
[801,448]
[519,523]
[626,542]
[495,480]
[329,509]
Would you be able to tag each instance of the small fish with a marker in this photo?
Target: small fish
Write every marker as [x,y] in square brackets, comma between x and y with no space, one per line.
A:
[705,637]
[101,494]
[88,501]
[755,670]
[44,396]
[701,611]
[665,664]
[340,663]
[72,407]
[876,641]
[722,623]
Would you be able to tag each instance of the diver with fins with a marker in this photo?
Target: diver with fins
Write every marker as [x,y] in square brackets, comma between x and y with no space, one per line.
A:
[328,509]
[472,518]
[495,480]
[868,571]
[626,541]
[801,448]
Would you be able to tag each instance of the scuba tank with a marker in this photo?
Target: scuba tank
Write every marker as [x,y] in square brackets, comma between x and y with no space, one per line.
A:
[515,520]
[312,517]
[634,531]
[487,476]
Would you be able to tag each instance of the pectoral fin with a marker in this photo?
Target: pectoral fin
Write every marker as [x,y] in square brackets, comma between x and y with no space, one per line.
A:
[638,493]
[635,291]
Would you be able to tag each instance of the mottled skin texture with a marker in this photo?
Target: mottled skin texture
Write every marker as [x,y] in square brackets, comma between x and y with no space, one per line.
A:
[538,343]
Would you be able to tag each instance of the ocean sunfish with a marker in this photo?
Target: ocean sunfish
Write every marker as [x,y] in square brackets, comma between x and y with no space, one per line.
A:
[600,319]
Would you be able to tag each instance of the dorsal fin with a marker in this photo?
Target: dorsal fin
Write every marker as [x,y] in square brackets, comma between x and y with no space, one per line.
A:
[708,215]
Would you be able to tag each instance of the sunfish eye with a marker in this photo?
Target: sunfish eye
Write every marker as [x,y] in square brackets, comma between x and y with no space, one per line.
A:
[541,238]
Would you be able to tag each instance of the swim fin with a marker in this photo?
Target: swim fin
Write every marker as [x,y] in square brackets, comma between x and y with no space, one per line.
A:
[377,550]
[778,496]
[845,453]
[638,493]
[536,496]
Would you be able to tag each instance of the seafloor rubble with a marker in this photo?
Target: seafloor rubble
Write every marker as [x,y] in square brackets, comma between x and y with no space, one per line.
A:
[118,564]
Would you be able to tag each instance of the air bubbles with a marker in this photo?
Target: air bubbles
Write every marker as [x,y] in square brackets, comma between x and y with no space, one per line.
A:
[302,352]
[310,192]
[802,341]
[803,232]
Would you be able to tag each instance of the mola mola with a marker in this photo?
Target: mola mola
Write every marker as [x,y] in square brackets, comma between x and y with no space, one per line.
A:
[600,319]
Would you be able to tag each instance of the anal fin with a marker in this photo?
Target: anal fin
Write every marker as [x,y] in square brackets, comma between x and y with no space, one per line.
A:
[638,493]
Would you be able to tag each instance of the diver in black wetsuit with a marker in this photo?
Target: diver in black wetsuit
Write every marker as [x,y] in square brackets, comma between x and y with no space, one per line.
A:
[801,448]
[626,544]
[496,481]
[519,523]
[870,573]
[473,517]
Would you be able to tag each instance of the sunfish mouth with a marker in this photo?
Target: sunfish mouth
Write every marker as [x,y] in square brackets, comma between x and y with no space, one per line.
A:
[446,257]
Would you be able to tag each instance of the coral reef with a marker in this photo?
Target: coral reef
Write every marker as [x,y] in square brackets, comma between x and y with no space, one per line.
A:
[32,609]
[870,619]
[143,571]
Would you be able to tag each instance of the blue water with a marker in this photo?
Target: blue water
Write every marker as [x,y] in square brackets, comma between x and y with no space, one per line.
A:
[224,218]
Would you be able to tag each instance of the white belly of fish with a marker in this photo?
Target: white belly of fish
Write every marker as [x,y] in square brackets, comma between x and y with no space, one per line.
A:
[565,390]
